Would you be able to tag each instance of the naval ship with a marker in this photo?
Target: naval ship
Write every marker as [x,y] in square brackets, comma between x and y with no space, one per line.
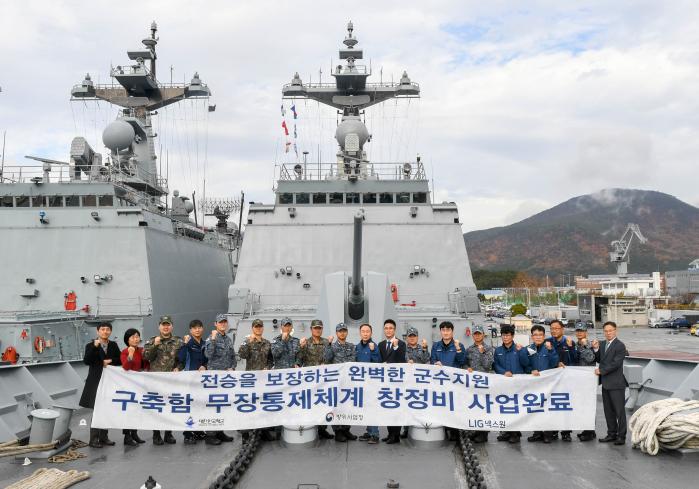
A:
[321,250]
[95,239]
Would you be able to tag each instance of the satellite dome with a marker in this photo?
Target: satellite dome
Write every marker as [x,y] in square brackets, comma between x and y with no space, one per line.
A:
[351,126]
[118,135]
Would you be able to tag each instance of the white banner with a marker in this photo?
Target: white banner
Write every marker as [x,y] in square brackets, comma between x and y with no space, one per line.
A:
[350,394]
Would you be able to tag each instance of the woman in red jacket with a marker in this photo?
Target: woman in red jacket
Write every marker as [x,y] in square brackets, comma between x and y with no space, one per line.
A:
[132,359]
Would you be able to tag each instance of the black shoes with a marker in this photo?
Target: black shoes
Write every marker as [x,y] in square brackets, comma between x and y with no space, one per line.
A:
[340,436]
[565,436]
[349,435]
[95,441]
[504,436]
[607,439]
[587,436]
[404,433]
[536,436]
[129,441]
[212,440]
[104,438]
[323,434]
[620,441]
[480,437]
[190,440]
[364,437]
[169,439]
[137,439]
[514,438]
[392,440]
[385,439]
[223,437]
[157,439]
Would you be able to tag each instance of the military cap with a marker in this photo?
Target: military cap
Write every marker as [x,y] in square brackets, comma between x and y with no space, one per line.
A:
[411,331]
[340,327]
[257,322]
[221,317]
[580,327]
[507,328]
[478,328]
[316,323]
[165,320]
[286,321]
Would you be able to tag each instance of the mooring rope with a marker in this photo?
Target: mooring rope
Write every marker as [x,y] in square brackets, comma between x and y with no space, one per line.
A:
[50,479]
[665,424]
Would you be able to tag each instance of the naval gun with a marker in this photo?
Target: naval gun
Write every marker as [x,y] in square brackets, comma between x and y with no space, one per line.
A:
[355,301]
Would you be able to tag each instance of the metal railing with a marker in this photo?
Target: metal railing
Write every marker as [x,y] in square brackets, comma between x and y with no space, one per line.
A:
[369,86]
[340,171]
[130,306]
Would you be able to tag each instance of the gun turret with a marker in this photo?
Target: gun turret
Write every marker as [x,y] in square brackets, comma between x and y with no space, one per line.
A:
[355,306]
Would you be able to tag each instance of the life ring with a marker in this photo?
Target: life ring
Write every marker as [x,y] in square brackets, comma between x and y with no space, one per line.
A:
[39,344]
[10,355]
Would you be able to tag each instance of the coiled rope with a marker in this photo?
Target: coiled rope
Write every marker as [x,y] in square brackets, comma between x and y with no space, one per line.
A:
[668,424]
[50,479]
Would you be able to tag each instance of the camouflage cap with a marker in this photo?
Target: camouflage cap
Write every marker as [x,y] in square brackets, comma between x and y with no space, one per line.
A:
[221,318]
[257,322]
[478,328]
[316,323]
[411,331]
[580,327]
[340,327]
[286,321]
[165,320]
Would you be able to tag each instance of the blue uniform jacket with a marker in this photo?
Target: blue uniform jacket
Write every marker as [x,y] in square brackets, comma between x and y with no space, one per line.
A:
[510,360]
[542,358]
[448,355]
[566,354]
[191,355]
[365,354]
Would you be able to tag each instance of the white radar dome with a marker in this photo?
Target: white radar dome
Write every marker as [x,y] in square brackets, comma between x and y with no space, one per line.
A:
[118,135]
[351,126]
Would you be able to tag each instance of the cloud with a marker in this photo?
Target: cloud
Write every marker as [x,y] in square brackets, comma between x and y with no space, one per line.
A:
[522,106]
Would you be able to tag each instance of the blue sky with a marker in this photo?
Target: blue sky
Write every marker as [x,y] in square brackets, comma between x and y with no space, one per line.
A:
[524,104]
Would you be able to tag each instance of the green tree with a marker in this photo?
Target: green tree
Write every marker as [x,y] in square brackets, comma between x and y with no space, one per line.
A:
[518,309]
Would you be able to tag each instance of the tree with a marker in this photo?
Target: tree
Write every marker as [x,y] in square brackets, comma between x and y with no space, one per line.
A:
[491,279]
[518,309]
[524,281]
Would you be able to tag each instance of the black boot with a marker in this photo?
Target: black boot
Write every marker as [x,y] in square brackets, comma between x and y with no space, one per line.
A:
[128,439]
[504,436]
[349,435]
[157,439]
[137,439]
[169,439]
[404,433]
[223,437]
[211,439]
[323,433]
[104,438]
[340,436]
[95,441]
[536,436]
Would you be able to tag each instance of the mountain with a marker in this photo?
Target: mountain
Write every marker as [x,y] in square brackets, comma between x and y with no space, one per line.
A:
[574,237]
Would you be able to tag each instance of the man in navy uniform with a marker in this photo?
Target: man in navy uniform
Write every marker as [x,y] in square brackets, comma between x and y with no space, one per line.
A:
[586,358]
[610,354]
[392,350]
[450,353]
[567,356]
[542,356]
[510,359]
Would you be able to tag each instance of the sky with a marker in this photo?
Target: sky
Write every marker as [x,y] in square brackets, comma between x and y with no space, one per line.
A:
[523,104]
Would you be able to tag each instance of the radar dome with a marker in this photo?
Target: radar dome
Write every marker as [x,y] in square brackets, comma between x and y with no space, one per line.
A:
[351,126]
[188,206]
[118,135]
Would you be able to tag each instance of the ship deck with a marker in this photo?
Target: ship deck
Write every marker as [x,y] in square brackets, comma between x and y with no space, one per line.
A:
[333,465]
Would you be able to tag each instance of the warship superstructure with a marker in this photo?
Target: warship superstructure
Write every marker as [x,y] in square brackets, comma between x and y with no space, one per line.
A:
[95,239]
[353,240]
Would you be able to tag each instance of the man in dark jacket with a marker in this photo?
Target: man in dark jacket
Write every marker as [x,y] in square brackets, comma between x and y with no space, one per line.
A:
[510,359]
[542,356]
[450,353]
[567,356]
[191,357]
[392,350]
[98,354]
[610,354]
[586,358]
[368,352]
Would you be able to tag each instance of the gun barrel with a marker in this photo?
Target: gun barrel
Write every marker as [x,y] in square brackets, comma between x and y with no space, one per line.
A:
[356,297]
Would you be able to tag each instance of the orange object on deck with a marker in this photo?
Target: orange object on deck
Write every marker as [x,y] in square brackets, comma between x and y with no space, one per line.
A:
[71,301]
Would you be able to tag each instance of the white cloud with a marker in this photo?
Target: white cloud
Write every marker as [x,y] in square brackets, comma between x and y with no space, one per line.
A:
[522,107]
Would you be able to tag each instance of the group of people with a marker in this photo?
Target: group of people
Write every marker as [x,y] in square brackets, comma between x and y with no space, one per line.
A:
[169,353]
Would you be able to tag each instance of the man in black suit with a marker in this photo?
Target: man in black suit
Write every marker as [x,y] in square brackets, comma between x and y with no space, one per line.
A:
[392,350]
[610,355]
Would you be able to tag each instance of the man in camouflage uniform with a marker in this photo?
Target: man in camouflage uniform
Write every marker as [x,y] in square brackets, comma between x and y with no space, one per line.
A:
[586,358]
[257,353]
[479,357]
[312,352]
[220,354]
[415,352]
[285,347]
[341,351]
[161,351]
[256,350]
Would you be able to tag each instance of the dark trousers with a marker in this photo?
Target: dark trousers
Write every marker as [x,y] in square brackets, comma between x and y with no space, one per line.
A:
[614,412]
[394,431]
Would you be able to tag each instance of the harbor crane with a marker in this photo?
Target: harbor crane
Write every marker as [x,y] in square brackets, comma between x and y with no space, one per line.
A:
[620,248]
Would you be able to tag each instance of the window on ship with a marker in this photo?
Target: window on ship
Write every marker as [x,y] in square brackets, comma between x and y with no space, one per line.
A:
[286,198]
[106,200]
[403,198]
[320,198]
[55,200]
[420,197]
[6,201]
[336,198]
[385,198]
[303,198]
[352,198]
[89,201]
[22,201]
[72,201]
[38,201]
[369,198]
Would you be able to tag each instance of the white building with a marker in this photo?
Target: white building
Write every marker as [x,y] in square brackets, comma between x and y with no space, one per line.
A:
[631,285]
